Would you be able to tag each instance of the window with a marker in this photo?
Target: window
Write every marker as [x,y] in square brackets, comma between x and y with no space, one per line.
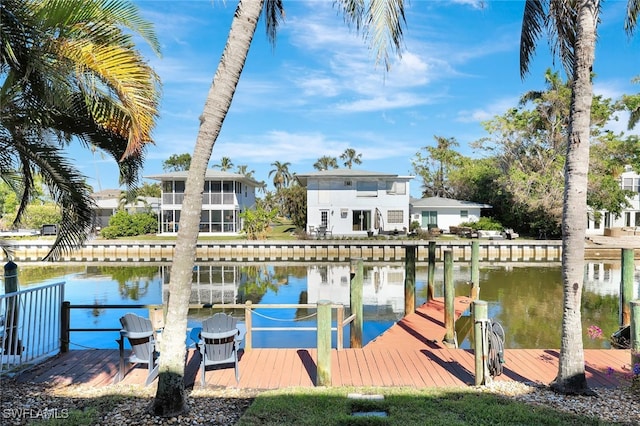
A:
[361,220]
[347,183]
[464,214]
[324,217]
[429,219]
[627,219]
[366,189]
[637,221]
[395,216]
[397,188]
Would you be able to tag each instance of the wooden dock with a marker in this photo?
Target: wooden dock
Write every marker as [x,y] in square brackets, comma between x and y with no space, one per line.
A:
[410,354]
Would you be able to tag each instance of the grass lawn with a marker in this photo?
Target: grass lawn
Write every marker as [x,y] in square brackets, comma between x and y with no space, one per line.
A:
[400,406]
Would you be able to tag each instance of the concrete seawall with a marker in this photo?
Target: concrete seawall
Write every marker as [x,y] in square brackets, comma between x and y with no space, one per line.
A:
[312,250]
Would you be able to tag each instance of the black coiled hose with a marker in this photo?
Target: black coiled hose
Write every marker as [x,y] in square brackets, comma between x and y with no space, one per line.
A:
[495,337]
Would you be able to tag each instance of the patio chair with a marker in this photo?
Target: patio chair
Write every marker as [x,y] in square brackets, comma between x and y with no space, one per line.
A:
[219,342]
[141,336]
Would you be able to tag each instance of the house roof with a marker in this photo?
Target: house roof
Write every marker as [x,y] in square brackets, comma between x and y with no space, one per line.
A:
[440,202]
[210,175]
[346,173]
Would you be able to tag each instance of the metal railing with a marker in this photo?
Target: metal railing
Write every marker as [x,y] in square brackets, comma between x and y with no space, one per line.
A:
[30,324]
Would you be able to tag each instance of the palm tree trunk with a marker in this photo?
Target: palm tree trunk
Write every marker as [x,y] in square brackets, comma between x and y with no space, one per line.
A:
[571,371]
[170,396]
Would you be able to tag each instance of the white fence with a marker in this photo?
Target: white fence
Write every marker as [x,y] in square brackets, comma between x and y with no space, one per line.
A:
[30,323]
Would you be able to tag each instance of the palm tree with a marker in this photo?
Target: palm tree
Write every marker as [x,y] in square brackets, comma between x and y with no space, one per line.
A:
[572,30]
[64,80]
[281,175]
[325,163]
[225,164]
[242,170]
[381,20]
[350,157]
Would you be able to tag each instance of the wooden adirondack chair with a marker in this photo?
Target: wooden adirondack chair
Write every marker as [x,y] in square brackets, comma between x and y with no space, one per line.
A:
[141,336]
[219,342]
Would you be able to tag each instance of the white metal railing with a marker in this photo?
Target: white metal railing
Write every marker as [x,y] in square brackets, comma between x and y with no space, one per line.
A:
[30,325]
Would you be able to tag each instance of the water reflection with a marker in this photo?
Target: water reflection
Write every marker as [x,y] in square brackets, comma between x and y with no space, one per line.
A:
[525,299]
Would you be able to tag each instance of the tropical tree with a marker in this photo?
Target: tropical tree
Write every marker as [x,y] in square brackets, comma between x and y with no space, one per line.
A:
[571,26]
[70,72]
[381,21]
[351,157]
[243,170]
[325,163]
[224,165]
[632,103]
[281,175]
[434,167]
[177,162]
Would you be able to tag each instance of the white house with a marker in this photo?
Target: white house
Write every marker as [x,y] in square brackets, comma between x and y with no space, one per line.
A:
[629,220]
[353,202]
[224,197]
[438,212]
[108,202]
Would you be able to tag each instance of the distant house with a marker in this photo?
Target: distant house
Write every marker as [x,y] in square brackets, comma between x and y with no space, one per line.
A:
[355,202]
[225,196]
[629,220]
[108,202]
[438,212]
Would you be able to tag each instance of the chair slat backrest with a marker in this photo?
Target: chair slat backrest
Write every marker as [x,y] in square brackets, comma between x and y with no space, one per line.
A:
[139,332]
[219,334]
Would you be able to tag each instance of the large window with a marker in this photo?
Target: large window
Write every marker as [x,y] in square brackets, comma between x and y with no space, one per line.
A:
[395,216]
[366,189]
[220,192]
[361,220]
[429,219]
[397,188]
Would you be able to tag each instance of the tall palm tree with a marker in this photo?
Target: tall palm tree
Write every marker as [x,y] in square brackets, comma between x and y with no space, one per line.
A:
[350,157]
[224,165]
[572,29]
[281,175]
[325,163]
[380,20]
[243,170]
[70,71]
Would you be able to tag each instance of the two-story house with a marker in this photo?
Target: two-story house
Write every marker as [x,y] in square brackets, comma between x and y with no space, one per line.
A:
[630,217]
[356,202]
[225,196]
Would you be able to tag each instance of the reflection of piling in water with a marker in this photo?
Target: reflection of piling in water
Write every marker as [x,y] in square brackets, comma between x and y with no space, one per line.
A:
[12,344]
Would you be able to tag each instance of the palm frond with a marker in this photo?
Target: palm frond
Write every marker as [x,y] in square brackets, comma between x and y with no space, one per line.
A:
[631,20]
[534,21]
[273,15]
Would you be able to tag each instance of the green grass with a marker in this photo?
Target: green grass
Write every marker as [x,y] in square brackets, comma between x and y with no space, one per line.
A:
[403,406]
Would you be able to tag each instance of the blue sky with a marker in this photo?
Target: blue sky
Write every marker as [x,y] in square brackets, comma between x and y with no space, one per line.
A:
[319,92]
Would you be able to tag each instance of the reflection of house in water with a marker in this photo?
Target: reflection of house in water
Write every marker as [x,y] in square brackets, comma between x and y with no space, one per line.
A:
[382,285]
[604,279]
[210,283]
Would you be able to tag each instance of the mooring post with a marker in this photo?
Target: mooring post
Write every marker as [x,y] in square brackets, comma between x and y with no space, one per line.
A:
[626,286]
[431,271]
[12,343]
[480,349]
[65,324]
[324,343]
[449,294]
[635,337]
[475,269]
[409,279]
[356,326]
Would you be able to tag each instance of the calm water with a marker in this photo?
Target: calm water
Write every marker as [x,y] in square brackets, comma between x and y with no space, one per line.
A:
[525,299]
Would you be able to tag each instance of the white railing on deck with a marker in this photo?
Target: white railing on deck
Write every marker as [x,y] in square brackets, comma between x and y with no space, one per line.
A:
[30,329]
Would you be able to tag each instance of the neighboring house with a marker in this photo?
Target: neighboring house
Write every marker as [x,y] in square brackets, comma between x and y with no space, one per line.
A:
[438,212]
[225,196]
[355,202]
[629,220]
[109,201]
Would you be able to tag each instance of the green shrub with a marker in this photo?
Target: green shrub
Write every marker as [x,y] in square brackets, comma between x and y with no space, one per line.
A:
[123,224]
[484,224]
